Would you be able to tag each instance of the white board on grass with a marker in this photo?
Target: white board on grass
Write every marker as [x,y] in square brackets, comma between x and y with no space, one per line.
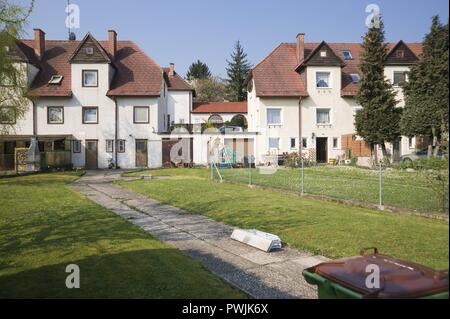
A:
[258,239]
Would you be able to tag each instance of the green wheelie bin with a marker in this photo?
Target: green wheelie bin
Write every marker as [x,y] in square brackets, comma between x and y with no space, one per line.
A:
[376,276]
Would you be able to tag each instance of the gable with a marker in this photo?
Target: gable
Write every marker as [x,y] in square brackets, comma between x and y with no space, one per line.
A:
[97,54]
[323,55]
[401,54]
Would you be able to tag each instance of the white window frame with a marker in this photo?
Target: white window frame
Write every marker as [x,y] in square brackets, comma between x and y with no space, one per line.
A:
[281,116]
[295,143]
[349,52]
[83,73]
[335,139]
[329,115]
[273,148]
[330,84]
[61,108]
[411,143]
[147,109]
[121,146]
[304,139]
[109,146]
[76,146]
[393,77]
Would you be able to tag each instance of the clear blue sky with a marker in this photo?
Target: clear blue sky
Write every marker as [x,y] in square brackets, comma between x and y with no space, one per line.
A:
[182,31]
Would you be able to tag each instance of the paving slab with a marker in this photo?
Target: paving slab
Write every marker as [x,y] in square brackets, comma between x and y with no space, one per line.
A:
[259,274]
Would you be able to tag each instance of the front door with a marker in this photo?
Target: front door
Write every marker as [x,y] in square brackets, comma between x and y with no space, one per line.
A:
[91,154]
[322,149]
[141,153]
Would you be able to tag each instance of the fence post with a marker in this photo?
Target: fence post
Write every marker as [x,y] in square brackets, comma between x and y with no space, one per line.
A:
[380,187]
[302,191]
[249,172]
[212,170]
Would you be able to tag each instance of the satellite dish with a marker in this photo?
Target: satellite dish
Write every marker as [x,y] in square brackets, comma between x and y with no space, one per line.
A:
[72,36]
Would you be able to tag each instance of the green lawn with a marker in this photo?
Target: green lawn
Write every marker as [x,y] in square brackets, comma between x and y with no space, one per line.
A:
[322,227]
[44,226]
[409,190]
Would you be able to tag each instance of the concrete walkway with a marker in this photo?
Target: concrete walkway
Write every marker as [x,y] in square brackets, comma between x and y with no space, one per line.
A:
[259,274]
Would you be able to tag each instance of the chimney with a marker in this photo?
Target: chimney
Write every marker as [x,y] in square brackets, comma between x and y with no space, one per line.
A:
[300,47]
[39,43]
[112,42]
[171,69]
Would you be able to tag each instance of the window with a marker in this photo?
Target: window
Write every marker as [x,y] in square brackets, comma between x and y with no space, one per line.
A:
[109,146]
[323,116]
[89,50]
[55,115]
[323,79]
[304,142]
[7,115]
[76,146]
[400,54]
[347,55]
[56,79]
[411,142]
[323,54]
[90,78]
[273,116]
[400,77]
[90,115]
[293,142]
[335,142]
[274,142]
[355,77]
[121,146]
[141,114]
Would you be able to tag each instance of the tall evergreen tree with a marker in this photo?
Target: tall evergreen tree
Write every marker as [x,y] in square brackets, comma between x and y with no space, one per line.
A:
[198,70]
[426,92]
[378,121]
[237,72]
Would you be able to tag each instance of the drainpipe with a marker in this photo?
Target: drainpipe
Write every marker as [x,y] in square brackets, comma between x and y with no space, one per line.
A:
[116,133]
[300,146]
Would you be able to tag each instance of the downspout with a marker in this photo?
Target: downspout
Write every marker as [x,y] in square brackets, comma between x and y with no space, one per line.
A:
[116,133]
[300,137]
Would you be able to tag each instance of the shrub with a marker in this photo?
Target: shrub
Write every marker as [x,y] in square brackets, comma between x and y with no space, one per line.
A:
[292,160]
[425,164]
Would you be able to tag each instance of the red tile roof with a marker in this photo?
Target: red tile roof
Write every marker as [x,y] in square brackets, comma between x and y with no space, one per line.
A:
[219,107]
[176,82]
[136,75]
[276,75]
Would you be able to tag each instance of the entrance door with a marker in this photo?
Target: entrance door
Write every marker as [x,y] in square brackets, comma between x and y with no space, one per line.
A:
[91,154]
[322,149]
[396,152]
[141,153]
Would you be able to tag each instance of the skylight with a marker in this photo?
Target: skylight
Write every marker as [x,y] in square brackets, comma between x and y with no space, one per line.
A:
[56,79]
[347,55]
[355,77]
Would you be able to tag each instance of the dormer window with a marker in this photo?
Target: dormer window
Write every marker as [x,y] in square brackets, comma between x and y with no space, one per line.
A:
[323,54]
[355,77]
[90,78]
[347,55]
[89,50]
[56,79]
[400,54]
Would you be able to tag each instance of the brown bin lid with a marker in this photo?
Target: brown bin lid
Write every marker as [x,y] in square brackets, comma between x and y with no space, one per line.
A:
[398,278]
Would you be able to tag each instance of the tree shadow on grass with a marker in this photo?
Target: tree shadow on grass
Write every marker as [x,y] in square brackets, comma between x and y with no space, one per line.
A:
[150,273]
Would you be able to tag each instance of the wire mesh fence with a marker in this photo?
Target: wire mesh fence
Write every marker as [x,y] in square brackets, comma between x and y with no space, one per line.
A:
[423,191]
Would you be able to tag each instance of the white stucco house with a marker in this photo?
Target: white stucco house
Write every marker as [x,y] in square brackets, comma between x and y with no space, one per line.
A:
[303,95]
[102,102]
[95,102]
